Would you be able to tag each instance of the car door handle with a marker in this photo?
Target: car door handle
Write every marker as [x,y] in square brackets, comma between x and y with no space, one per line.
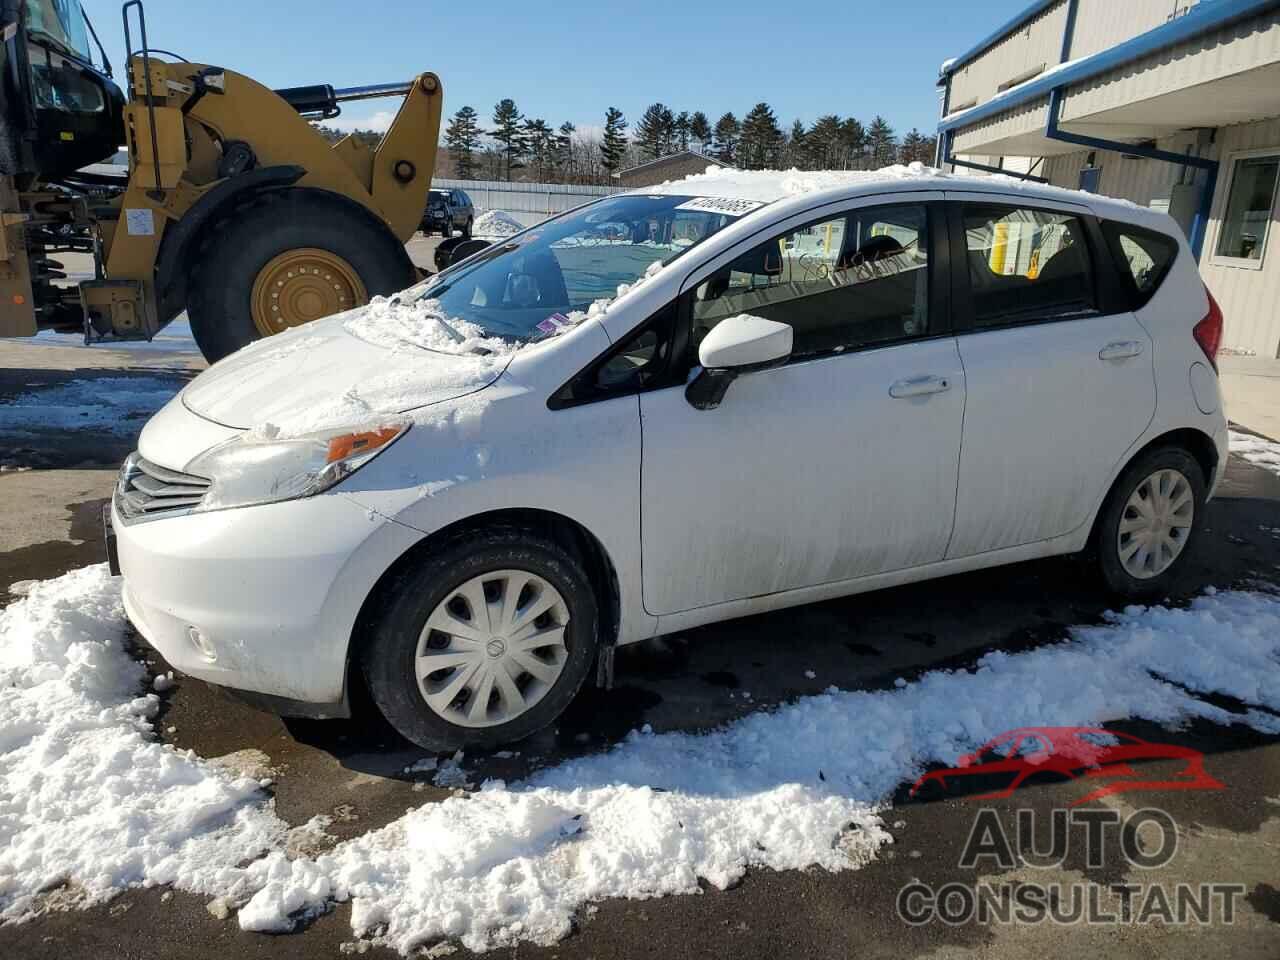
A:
[919,387]
[1121,350]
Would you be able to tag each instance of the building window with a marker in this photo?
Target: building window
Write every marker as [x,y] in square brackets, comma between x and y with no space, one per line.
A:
[1250,205]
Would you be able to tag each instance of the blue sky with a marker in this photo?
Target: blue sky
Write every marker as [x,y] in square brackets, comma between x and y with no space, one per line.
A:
[570,59]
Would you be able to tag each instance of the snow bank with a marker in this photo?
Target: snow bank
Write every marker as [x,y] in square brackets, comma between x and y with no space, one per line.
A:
[1257,450]
[496,223]
[113,404]
[88,798]
[788,789]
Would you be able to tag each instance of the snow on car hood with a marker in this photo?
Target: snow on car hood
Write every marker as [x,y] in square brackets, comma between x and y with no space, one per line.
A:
[350,369]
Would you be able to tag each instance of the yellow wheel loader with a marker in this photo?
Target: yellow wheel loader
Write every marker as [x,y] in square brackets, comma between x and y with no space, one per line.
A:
[235,208]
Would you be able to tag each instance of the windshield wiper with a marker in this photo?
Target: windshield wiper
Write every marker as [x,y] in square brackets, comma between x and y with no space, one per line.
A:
[448,328]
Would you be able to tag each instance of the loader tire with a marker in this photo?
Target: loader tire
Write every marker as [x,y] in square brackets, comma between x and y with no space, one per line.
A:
[287,258]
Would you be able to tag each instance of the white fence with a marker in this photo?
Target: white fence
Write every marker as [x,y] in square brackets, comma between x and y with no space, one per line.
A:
[529,203]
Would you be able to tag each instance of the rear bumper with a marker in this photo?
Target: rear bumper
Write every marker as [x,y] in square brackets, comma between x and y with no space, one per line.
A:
[263,599]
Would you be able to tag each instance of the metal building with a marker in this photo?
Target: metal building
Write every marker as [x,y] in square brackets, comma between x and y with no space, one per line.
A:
[1172,104]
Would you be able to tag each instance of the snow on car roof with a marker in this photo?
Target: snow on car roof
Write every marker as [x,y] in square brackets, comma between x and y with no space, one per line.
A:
[770,186]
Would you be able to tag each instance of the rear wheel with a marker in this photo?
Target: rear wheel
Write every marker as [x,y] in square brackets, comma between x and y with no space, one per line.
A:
[1148,527]
[289,258]
[486,643]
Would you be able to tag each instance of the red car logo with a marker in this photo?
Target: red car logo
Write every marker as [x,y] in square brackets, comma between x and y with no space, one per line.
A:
[1074,753]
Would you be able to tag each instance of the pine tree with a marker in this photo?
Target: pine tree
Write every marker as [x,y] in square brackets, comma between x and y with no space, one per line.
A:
[508,132]
[853,144]
[681,131]
[798,146]
[564,159]
[727,132]
[761,139]
[613,149]
[882,145]
[824,145]
[540,141]
[655,132]
[700,130]
[462,137]
[915,147]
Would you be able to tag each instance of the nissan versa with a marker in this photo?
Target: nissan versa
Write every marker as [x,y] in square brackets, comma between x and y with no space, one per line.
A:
[717,397]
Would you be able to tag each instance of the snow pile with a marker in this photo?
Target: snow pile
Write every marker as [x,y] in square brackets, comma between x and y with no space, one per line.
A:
[496,223]
[113,404]
[372,367]
[766,186]
[88,798]
[789,789]
[398,321]
[1257,450]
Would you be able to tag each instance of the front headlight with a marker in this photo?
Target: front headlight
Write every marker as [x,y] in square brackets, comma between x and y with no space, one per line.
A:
[244,471]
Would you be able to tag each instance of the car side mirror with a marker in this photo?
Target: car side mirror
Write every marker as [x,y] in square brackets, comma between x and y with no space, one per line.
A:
[735,346]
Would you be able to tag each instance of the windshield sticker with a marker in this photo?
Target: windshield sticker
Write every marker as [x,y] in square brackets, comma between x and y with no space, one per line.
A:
[728,206]
[555,323]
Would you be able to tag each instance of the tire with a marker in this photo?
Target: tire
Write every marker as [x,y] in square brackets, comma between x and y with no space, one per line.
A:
[390,655]
[239,246]
[466,229]
[446,228]
[1170,463]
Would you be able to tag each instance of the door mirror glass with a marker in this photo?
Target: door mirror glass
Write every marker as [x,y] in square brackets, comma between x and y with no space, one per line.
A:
[745,341]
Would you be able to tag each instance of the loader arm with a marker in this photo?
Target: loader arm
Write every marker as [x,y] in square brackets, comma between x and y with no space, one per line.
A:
[180,142]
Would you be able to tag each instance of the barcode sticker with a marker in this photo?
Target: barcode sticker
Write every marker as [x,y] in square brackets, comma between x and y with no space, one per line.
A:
[726,205]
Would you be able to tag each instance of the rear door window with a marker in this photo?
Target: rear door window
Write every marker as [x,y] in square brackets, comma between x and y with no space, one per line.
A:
[1144,258]
[1026,266]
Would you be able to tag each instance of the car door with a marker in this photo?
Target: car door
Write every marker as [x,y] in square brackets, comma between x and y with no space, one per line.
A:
[840,463]
[1059,374]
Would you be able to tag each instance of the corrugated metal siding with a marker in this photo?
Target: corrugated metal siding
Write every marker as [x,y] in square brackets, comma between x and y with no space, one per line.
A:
[1028,118]
[1222,53]
[1101,24]
[1139,180]
[1037,42]
[1250,299]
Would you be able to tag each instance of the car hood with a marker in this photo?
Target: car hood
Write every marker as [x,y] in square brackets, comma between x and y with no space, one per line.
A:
[324,375]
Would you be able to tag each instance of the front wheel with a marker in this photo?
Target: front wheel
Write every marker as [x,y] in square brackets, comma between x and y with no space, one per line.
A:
[466,228]
[1149,525]
[485,643]
[291,257]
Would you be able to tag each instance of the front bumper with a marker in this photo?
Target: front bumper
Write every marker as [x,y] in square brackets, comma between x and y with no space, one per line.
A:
[259,599]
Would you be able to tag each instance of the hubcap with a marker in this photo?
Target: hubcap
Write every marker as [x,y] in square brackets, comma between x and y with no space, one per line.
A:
[1155,524]
[492,648]
[302,285]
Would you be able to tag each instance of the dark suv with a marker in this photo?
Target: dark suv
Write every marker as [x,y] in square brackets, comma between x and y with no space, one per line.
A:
[448,210]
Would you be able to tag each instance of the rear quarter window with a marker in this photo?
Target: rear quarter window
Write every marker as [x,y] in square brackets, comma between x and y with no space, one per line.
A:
[1143,258]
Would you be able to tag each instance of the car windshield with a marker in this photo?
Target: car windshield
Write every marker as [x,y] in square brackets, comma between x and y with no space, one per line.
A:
[62,21]
[546,278]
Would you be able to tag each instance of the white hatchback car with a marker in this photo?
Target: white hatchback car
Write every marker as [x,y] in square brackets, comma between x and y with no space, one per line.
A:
[717,397]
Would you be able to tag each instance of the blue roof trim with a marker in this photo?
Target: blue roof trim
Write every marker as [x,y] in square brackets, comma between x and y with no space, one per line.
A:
[1205,16]
[1003,31]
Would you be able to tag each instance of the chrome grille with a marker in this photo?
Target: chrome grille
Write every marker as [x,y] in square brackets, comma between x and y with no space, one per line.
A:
[146,489]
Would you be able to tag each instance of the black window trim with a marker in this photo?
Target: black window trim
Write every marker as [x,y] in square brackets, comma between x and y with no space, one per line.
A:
[1108,292]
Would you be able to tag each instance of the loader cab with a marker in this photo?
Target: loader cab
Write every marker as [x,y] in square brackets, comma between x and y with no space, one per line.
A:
[58,112]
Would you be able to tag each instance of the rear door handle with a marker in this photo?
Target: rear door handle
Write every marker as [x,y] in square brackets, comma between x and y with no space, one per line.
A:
[919,387]
[1121,350]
